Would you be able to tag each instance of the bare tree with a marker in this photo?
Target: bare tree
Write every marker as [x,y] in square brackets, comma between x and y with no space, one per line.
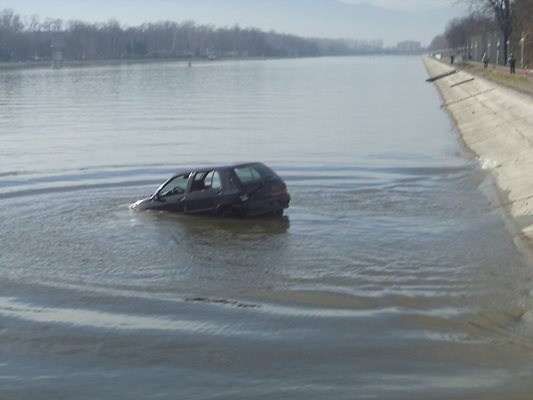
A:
[461,31]
[523,29]
[11,27]
[502,10]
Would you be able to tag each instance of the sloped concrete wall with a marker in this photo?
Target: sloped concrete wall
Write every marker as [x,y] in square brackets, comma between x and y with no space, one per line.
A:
[496,124]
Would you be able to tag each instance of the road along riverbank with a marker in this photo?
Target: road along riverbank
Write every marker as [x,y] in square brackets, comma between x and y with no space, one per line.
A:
[496,124]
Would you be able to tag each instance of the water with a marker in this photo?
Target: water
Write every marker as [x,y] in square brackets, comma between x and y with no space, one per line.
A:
[392,276]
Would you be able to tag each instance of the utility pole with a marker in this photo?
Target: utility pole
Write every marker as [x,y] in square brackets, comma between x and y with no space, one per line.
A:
[522,42]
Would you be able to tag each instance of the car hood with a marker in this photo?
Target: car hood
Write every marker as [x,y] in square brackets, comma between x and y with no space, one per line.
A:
[141,204]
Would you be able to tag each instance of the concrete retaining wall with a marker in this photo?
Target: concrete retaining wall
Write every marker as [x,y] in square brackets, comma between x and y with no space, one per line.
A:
[496,124]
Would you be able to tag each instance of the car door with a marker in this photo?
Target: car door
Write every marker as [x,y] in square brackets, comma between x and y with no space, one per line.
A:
[205,189]
[171,195]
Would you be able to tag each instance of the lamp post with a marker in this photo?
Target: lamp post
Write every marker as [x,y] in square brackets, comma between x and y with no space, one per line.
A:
[508,43]
[522,41]
[498,52]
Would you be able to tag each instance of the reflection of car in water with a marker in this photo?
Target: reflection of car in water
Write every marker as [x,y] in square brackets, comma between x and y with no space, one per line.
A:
[242,190]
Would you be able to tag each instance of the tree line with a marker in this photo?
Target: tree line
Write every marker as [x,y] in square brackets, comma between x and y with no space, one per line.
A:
[496,28]
[32,39]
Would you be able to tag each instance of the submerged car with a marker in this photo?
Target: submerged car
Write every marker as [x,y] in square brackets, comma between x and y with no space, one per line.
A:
[241,190]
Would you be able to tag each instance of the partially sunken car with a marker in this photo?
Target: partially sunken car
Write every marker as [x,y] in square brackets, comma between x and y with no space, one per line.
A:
[241,190]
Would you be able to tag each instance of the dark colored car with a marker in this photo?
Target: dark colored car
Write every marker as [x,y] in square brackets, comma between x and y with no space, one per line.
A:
[242,190]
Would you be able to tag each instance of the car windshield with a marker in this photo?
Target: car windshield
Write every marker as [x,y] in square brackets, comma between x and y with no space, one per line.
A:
[175,186]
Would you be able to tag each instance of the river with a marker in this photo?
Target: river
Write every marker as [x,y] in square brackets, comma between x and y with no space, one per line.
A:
[392,275]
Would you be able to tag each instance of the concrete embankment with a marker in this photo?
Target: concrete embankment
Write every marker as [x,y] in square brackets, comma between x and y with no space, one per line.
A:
[496,124]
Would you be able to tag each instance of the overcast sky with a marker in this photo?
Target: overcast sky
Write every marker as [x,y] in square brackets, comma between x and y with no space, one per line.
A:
[390,20]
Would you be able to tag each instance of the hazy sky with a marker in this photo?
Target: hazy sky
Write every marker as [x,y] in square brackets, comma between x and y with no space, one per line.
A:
[408,5]
[390,20]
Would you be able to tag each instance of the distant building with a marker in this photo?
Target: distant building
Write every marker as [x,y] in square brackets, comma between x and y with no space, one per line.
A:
[409,46]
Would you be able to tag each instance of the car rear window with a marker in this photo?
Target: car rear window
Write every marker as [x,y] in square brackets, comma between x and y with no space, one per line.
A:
[248,174]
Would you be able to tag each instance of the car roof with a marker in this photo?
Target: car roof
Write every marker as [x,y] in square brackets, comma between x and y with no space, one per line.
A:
[217,167]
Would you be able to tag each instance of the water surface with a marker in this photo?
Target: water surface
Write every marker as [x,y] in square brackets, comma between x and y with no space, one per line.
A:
[391,277]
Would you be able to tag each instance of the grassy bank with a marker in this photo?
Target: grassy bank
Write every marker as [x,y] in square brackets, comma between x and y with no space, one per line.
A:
[500,74]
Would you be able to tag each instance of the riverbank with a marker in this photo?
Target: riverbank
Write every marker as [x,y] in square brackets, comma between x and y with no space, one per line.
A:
[496,123]
[185,61]
[521,80]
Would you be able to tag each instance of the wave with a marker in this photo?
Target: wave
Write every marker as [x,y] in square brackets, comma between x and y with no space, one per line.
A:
[74,188]
[31,183]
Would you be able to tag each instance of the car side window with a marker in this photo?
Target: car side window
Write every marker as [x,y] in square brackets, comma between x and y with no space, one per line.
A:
[199,182]
[212,180]
[216,183]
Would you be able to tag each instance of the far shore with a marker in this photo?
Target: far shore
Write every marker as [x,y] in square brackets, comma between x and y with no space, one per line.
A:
[94,62]
[195,60]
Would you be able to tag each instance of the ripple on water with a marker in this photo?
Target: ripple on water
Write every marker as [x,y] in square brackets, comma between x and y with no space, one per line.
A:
[391,277]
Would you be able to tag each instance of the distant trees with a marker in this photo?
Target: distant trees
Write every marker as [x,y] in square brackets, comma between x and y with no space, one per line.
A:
[439,42]
[11,27]
[523,27]
[23,39]
[493,26]
[497,27]
[503,16]
[461,31]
